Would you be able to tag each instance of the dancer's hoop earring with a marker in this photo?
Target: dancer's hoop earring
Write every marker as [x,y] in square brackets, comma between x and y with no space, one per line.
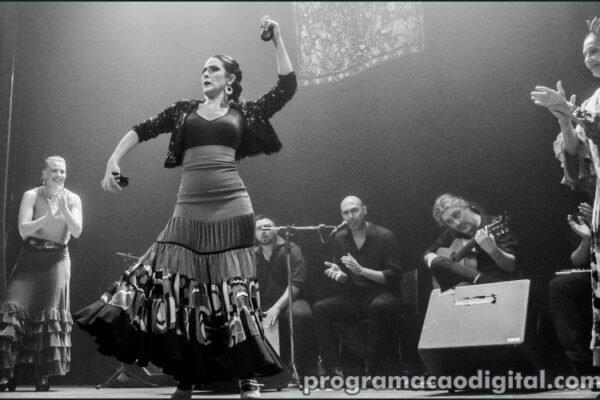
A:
[228,90]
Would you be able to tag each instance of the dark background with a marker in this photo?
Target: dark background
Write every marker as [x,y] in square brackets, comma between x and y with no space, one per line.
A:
[456,117]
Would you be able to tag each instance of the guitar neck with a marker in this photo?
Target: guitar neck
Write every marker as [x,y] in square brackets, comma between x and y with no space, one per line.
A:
[498,225]
[460,254]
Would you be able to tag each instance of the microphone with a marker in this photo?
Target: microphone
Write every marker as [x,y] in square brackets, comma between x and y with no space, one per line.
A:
[267,32]
[337,228]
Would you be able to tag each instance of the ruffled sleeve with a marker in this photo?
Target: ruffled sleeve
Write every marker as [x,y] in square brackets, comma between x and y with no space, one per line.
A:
[578,168]
[163,122]
[578,171]
[276,97]
[260,137]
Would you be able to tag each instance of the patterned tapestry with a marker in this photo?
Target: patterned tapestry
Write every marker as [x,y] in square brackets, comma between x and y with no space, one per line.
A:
[340,39]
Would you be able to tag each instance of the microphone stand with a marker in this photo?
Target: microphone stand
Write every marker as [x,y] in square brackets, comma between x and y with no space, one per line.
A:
[287,233]
[122,377]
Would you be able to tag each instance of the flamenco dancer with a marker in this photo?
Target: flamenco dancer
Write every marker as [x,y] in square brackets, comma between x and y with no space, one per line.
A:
[35,316]
[191,305]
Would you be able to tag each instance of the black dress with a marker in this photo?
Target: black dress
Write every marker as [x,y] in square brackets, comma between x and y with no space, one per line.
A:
[191,305]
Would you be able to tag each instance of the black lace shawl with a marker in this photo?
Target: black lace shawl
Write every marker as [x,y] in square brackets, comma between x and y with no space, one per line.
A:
[259,136]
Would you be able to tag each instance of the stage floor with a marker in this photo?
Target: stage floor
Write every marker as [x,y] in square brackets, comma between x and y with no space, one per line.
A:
[87,392]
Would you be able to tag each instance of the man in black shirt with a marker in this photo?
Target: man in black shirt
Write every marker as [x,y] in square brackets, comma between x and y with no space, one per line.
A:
[271,269]
[491,257]
[569,298]
[366,262]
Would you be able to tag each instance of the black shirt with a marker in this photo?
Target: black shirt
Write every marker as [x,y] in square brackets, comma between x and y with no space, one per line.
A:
[505,241]
[272,273]
[379,252]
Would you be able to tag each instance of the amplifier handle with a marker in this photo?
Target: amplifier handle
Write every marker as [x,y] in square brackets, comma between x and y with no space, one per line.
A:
[475,300]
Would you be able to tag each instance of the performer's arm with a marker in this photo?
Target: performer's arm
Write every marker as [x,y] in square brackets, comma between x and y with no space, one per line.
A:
[275,310]
[506,261]
[580,257]
[445,239]
[556,102]
[284,65]
[371,274]
[27,225]
[127,143]
[298,279]
[375,276]
[388,271]
[274,100]
[73,215]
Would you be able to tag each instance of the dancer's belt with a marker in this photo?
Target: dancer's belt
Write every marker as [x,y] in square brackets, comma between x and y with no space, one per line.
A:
[43,244]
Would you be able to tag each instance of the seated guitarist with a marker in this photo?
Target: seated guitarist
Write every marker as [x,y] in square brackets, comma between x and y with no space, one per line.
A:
[491,246]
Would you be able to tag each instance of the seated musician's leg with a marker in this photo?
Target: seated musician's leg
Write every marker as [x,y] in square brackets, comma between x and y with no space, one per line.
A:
[571,308]
[305,353]
[384,335]
[326,313]
[450,274]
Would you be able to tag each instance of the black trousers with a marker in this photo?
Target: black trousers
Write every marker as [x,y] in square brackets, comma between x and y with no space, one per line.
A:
[570,299]
[305,354]
[383,311]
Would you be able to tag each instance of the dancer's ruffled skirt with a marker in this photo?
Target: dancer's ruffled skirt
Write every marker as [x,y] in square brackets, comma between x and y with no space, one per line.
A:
[191,305]
[35,320]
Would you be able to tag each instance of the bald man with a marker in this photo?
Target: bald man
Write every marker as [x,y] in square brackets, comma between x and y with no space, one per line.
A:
[366,264]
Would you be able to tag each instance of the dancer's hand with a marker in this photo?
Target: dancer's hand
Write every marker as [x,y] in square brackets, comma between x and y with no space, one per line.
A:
[109,183]
[266,22]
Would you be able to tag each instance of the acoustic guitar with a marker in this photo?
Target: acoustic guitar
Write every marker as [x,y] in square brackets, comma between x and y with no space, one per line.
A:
[460,249]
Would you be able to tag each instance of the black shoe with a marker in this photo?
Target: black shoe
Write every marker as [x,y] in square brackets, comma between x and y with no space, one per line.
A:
[249,389]
[9,384]
[42,384]
[320,370]
[336,371]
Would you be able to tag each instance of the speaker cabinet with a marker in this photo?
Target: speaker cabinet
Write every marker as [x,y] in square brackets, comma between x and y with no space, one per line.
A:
[478,327]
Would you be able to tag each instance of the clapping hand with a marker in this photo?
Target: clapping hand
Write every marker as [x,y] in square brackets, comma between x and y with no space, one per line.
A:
[62,200]
[335,273]
[585,211]
[351,263]
[594,25]
[554,100]
[50,210]
[579,226]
